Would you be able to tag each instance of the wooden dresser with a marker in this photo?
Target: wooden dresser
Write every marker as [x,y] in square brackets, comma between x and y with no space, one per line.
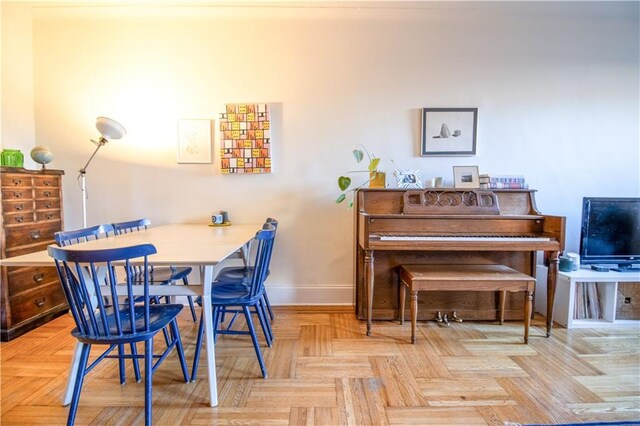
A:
[31,214]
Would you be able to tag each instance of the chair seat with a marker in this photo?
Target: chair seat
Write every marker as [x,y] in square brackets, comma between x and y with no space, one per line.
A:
[159,317]
[231,293]
[165,275]
[235,273]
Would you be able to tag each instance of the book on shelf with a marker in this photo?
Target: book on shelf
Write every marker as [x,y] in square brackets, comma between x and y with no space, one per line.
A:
[493,178]
[504,185]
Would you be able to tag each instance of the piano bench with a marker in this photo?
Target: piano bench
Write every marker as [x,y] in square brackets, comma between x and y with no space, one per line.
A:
[464,278]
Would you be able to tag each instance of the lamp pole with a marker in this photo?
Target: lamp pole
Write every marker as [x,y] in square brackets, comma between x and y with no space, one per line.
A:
[83,182]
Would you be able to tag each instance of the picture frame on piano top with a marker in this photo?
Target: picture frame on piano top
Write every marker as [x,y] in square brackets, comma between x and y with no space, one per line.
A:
[448,132]
[466,177]
[408,178]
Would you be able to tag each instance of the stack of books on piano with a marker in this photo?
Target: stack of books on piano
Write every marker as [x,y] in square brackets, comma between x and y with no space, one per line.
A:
[491,181]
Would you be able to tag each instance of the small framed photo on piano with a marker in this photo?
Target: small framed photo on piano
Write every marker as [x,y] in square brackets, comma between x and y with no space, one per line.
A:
[408,178]
[448,131]
[466,177]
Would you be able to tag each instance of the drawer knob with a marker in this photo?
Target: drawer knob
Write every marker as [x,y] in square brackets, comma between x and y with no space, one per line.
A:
[19,219]
[38,277]
[18,207]
[47,206]
[47,183]
[17,181]
[47,193]
[34,234]
[49,216]
[17,194]
[39,302]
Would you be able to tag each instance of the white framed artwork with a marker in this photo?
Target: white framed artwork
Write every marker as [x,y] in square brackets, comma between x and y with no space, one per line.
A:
[194,141]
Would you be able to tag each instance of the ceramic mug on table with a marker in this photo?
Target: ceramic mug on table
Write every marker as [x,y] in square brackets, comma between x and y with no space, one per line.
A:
[217,219]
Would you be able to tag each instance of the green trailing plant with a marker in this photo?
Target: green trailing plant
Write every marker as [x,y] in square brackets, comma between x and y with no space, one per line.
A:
[344,182]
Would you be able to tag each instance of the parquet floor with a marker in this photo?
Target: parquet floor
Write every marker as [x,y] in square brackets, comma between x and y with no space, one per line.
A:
[324,370]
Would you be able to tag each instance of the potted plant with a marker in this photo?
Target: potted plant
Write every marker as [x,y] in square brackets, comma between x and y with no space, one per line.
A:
[377,178]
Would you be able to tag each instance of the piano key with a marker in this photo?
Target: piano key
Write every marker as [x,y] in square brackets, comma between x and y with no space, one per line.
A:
[460,238]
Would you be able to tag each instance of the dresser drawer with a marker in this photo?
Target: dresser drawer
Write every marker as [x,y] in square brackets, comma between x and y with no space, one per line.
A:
[46,182]
[20,250]
[33,303]
[18,218]
[17,194]
[10,180]
[15,206]
[20,235]
[23,279]
[46,193]
[50,203]
[47,215]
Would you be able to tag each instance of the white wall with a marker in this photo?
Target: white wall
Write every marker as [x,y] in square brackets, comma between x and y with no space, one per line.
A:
[556,85]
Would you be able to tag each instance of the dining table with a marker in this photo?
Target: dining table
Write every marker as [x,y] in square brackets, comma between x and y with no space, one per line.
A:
[197,245]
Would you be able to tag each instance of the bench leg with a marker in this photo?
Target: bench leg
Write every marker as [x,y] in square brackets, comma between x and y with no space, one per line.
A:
[527,314]
[414,315]
[403,298]
[503,299]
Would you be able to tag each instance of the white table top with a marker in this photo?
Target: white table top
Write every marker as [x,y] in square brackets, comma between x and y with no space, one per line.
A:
[176,244]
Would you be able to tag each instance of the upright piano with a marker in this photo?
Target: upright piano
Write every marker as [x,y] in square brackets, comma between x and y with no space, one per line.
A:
[450,226]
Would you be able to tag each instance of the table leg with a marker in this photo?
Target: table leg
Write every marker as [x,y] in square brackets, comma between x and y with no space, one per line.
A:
[403,298]
[208,334]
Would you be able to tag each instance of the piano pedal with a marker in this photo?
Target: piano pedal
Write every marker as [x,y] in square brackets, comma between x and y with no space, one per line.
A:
[438,317]
[454,317]
[445,319]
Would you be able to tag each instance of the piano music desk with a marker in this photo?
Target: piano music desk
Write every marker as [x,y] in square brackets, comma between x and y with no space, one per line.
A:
[464,278]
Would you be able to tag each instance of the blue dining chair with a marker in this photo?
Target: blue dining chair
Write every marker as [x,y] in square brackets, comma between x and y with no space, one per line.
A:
[244,293]
[162,275]
[239,272]
[67,238]
[83,273]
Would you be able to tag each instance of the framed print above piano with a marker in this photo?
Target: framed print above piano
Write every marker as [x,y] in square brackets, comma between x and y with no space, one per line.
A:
[448,132]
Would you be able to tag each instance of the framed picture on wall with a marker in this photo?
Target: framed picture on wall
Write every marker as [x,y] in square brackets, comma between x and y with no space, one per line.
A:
[466,177]
[448,131]
[194,141]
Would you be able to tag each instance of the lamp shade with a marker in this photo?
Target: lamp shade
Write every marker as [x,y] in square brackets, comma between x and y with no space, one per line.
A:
[110,129]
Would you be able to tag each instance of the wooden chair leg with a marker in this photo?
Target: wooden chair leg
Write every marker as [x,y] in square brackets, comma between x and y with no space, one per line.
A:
[503,299]
[414,315]
[528,297]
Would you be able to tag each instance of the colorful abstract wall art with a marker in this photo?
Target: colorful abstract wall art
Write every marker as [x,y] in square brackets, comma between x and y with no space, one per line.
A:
[245,139]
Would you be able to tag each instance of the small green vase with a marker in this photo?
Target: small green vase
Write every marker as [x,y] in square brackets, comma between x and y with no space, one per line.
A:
[12,158]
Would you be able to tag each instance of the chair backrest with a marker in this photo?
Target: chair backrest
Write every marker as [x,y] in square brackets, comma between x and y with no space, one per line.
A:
[131,226]
[66,238]
[83,273]
[264,246]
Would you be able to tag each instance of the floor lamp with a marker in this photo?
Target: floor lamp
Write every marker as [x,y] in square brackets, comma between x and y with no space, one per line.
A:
[109,129]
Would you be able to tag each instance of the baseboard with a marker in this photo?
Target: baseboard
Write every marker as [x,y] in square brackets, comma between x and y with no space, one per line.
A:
[335,295]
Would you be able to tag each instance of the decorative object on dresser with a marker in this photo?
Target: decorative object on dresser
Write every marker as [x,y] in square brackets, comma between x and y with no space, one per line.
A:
[31,214]
[42,155]
[449,131]
[109,129]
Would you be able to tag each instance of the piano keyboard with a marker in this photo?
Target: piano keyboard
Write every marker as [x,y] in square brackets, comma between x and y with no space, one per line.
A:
[460,238]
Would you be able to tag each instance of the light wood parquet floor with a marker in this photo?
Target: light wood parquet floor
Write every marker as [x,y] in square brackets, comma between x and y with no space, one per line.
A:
[324,370]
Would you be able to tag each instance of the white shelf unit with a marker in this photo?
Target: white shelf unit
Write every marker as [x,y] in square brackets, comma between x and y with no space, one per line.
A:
[607,283]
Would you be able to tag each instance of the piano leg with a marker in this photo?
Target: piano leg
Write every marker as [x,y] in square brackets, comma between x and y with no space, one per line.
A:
[369,275]
[552,273]
[528,305]
[403,299]
[503,299]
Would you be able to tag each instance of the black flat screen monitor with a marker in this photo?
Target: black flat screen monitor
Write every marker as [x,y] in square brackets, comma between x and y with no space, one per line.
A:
[610,232]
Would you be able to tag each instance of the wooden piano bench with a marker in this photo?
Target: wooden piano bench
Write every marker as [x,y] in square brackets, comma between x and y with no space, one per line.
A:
[464,278]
